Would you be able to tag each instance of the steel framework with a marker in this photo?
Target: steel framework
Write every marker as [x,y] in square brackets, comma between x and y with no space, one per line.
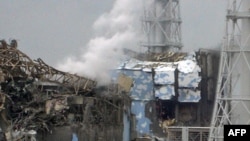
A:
[161,25]
[232,101]
[17,64]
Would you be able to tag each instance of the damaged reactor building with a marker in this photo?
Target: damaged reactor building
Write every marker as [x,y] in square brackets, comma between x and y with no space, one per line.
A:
[149,99]
[162,94]
[40,102]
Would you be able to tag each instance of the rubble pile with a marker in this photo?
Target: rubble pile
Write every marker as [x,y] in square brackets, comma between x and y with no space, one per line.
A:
[36,97]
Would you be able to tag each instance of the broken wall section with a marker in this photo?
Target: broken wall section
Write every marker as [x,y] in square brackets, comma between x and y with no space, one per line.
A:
[175,93]
[39,101]
[99,117]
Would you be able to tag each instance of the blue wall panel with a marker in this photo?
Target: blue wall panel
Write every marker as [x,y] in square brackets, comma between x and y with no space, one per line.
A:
[143,123]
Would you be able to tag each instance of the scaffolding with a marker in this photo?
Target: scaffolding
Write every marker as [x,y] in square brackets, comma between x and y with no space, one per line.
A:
[232,102]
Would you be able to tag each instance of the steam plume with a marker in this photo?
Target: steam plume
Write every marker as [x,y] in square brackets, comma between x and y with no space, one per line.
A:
[115,30]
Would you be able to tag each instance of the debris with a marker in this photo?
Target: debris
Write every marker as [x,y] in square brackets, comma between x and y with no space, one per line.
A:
[34,97]
[2,135]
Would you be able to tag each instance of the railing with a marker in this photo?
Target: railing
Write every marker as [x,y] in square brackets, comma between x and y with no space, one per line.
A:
[188,133]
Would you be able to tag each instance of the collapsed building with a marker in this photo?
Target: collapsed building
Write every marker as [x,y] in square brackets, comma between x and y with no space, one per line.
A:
[166,96]
[161,94]
[39,102]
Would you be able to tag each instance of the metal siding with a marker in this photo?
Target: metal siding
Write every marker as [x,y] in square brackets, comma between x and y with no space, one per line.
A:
[164,77]
[142,122]
[162,84]
[143,85]
[142,88]
[187,66]
[190,79]
[165,92]
[187,95]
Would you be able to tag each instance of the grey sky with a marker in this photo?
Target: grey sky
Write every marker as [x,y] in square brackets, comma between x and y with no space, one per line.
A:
[55,29]
[50,29]
[203,23]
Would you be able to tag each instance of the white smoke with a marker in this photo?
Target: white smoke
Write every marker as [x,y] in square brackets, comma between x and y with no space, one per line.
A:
[115,30]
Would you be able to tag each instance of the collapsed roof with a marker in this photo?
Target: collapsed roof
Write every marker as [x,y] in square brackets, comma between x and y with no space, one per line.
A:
[34,95]
[14,63]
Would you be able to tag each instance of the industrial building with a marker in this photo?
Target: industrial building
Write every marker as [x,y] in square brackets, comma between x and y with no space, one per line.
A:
[162,94]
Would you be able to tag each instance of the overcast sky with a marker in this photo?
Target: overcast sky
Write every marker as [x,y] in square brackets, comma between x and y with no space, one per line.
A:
[54,30]
[50,29]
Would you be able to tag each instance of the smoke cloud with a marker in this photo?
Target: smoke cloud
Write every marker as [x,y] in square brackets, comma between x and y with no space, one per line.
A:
[115,30]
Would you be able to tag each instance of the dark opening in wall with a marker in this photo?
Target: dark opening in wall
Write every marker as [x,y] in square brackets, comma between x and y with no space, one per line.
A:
[165,109]
[188,114]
